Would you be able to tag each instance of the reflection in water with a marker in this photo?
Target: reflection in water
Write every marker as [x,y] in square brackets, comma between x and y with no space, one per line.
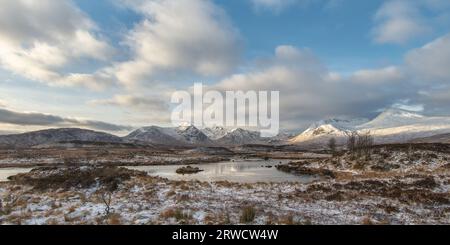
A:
[243,171]
[7,172]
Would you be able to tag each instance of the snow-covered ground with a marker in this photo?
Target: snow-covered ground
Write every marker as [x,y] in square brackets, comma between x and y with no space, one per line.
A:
[407,188]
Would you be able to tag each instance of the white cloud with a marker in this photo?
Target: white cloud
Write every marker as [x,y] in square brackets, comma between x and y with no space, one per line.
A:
[179,36]
[141,109]
[149,104]
[432,61]
[275,5]
[38,39]
[278,6]
[379,76]
[175,38]
[405,105]
[11,117]
[308,91]
[429,66]
[399,21]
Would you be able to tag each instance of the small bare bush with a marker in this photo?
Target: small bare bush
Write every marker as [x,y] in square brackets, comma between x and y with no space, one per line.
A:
[364,145]
[106,198]
[332,145]
[351,142]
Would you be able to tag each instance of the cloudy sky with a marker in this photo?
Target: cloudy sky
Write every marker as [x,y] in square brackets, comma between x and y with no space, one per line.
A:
[112,64]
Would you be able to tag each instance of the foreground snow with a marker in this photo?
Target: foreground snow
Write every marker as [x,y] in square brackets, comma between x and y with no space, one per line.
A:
[416,192]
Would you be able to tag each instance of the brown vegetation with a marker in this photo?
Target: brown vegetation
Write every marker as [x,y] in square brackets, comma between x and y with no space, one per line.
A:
[66,178]
[188,170]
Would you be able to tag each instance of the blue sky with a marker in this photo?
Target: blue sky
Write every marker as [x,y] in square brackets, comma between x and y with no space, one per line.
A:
[119,61]
[339,33]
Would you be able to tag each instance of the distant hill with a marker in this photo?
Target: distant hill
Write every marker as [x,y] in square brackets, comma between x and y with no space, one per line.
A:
[440,138]
[52,136]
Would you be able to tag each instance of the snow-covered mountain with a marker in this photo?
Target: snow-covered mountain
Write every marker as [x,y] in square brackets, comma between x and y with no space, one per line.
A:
[215,133]
[240,136]
[190,135]
[399,126]
[184,135]
[193,135]
[394,118]
[281,138]
[321,132]
[391,126]
[50,136]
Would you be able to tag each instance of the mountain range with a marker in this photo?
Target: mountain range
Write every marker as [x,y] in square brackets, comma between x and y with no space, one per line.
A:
[190,135]
[391,126]
[185,135]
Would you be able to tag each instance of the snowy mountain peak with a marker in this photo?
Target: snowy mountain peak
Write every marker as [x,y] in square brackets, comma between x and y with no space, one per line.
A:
[216,132]
[335,124]
[391,126]
[399,113]
[193,135]
[186,128]
[393,118]
[168,136]
[239,136]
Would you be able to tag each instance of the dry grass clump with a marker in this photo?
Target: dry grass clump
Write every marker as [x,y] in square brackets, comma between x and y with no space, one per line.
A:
[183,198]
[114,219]
[188,170]
[367,221]
[303,170]
[109,177]
[170,193]
[248,215]
[177,213]
[427,182]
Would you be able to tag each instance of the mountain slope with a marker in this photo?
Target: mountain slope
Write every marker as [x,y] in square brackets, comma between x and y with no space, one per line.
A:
[154,135]
[321,132]
[185,135]
[193,135]
[440,138]
[50,136]
[240,136]
[393,118]
[215,133]
[391,126]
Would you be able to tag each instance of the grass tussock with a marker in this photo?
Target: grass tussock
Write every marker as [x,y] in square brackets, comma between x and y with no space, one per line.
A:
[176,213]
[109,177]
[248,215]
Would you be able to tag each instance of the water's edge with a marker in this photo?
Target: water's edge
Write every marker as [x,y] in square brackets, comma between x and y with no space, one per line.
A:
[238,170]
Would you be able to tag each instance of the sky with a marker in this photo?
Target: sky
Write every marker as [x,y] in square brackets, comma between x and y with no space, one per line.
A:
[112,65]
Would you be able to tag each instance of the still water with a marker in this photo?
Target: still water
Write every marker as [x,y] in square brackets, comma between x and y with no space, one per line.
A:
[242,171]
[6,172]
